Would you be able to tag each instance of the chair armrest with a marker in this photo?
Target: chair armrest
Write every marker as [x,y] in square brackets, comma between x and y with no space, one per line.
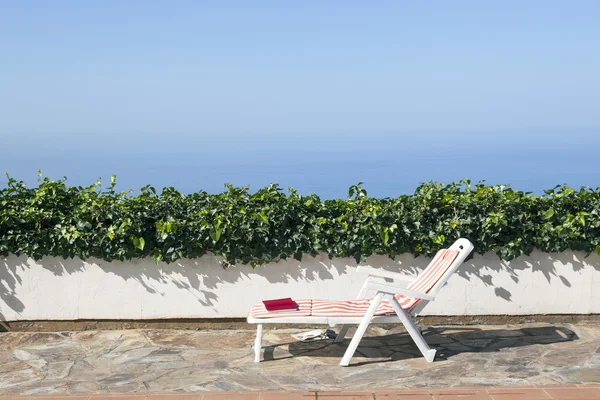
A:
[392,289]
[384,274]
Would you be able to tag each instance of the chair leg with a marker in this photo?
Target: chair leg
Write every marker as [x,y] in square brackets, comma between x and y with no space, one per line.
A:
[258,343]
[413,330]
[360,331]
[340,337]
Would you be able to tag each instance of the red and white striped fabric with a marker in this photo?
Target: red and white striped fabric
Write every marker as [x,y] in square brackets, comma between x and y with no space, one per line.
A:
[442,260]
[304,310]
[356,308]
[348,308]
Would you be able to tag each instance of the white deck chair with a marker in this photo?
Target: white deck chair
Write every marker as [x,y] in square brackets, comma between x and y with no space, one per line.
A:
[378,302]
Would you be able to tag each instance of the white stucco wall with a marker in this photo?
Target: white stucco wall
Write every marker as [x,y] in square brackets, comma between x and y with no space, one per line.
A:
[58,289]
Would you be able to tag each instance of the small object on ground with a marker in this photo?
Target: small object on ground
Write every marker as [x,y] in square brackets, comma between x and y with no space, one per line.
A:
[317,334]
[330,334]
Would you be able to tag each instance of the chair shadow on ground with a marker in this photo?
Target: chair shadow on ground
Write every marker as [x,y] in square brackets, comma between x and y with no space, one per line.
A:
[448,341]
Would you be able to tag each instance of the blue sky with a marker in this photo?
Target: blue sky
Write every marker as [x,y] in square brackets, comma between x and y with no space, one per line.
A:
[195,93]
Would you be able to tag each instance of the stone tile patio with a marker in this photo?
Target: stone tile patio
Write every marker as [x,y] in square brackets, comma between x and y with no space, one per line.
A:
[572,392]
[170,361]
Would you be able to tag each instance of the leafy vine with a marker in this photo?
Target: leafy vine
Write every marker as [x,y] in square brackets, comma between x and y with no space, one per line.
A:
[54,219]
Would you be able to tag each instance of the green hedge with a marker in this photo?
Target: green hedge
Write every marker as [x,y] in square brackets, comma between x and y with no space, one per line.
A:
[57,220]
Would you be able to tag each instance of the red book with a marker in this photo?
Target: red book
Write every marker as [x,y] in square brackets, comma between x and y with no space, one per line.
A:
[280,304]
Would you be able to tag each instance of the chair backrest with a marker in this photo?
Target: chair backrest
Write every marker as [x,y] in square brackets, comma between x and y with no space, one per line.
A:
[433,277]
[443,265]
[434,272]
[464,248]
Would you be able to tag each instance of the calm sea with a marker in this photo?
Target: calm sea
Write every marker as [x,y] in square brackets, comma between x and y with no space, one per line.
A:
[388,165]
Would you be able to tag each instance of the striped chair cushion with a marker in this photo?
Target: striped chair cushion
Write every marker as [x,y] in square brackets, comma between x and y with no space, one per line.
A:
[442,260]
[348,308]
[323,308]
[304,310]
[356,308]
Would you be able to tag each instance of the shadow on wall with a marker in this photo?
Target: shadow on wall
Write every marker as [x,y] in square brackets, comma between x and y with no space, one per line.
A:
[549,265]
[201,277]
[9,279]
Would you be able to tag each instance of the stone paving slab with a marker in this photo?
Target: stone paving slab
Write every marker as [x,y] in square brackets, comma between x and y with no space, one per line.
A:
[178,361]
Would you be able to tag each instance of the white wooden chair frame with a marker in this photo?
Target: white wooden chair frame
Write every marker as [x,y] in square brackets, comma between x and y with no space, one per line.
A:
[379,289]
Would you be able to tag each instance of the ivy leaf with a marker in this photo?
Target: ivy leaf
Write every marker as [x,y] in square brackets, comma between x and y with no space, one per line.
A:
[384,235]
[215,234]
[263,217]
[139,242]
